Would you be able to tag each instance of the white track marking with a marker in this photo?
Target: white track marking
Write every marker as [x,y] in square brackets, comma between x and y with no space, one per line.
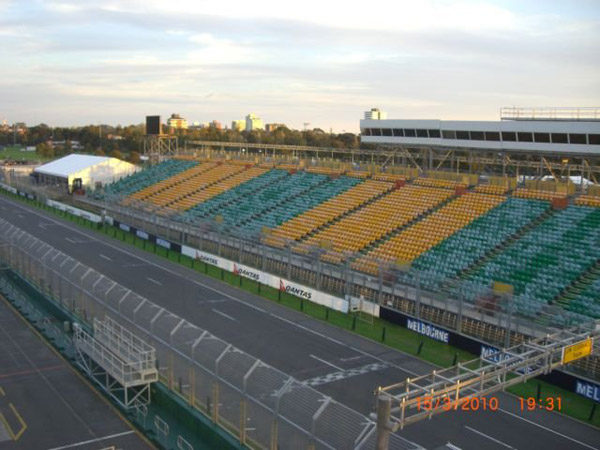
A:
[91,441]
[104,257]
[70,240]
[488,437]
[326,362]
[152,280]
[221,313]
[218,291]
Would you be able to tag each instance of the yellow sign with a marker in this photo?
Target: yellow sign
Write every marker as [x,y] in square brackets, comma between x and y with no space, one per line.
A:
[503,288]
[576,351]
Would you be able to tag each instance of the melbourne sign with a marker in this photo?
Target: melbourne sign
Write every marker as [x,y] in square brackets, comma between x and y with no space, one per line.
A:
[428,330]
[589,390]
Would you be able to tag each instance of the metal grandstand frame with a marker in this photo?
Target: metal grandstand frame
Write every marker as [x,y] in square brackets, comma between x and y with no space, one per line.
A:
[158,147]
[122,363]
[262,406]
[424,158]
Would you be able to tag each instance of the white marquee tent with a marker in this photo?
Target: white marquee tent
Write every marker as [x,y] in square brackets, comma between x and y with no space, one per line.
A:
[87,168]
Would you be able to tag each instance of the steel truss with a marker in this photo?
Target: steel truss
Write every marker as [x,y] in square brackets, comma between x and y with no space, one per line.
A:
[513,163]
[423,397]
[159,147]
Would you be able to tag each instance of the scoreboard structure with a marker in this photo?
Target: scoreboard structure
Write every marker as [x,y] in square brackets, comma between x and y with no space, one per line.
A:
[158,146]
[153,126]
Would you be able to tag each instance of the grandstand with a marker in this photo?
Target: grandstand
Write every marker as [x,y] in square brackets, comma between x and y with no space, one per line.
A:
[457,233]
[451,210]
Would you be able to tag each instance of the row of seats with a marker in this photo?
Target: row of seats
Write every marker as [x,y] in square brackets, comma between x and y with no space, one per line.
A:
[389,177]
[368,224]
[325,171]
[587,302]
[324,213]
[214,205]
[430,231]
[461,250]
[247,214]
[181,177]
[537,194]
[494,189]
[438,182]
[545,260]
[588,200]
[144,178]
[295,206]
[225,185]
[358,174]
[178,197]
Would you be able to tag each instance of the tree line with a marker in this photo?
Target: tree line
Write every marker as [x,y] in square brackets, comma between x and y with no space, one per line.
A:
[126,142]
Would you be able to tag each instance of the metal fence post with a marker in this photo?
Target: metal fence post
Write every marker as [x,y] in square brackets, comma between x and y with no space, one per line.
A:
[510,299]
[418,296]
[380,287]
[215,402]
[384,408]
[289,254]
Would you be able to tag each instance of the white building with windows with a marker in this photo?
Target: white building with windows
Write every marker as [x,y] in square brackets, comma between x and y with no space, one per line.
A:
[542,130]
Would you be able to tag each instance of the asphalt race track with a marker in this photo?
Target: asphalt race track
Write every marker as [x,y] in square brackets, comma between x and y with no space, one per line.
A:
[58,410]
[298,345]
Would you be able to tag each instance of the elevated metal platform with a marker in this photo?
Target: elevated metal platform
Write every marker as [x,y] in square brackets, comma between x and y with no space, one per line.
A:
[118,360]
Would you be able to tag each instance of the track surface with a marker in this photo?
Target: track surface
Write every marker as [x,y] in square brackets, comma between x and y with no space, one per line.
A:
[298,345]
[59,410]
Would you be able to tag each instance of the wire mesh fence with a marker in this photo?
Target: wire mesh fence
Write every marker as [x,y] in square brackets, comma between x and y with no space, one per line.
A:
[416,291]
[260,405]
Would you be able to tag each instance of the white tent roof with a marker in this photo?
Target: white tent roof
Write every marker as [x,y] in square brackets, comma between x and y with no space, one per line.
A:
[70,164]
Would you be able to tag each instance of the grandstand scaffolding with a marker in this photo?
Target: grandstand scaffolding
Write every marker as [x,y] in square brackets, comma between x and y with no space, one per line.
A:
[123,364]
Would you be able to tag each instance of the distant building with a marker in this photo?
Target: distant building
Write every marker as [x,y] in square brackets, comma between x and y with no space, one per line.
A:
[253,122]
[375,114]
[270,127]
[177,122]
[216,124]
[238,125]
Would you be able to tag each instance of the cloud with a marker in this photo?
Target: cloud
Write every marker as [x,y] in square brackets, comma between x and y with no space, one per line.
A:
[309,61]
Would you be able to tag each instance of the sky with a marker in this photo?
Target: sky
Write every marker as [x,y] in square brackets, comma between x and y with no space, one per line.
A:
[320,62]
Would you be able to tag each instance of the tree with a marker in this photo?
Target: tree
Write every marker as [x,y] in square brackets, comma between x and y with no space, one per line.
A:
[134,157]
[45,150]
[116,154]
[99,152]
